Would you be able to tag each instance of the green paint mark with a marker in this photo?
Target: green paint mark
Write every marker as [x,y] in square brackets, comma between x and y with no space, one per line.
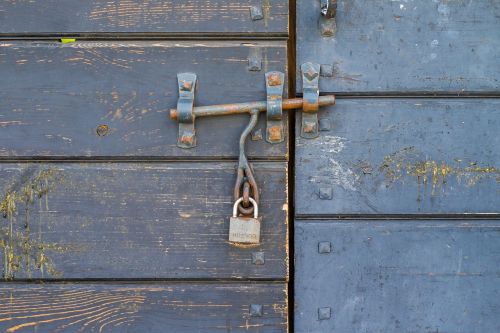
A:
[68,40]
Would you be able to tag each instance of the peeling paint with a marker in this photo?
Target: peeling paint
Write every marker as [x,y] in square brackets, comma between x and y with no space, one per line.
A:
[409,161]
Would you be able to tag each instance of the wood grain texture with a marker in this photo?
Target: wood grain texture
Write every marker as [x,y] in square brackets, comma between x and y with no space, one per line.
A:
[137,16]
[54,97]
[176,307]
[398,276]
[402,156]
[135,221]
[404,46]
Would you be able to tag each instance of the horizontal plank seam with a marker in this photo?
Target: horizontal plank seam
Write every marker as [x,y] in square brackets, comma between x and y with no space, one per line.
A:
[38,159]
[415,95]
[328,217]
[146,281]
[147,36]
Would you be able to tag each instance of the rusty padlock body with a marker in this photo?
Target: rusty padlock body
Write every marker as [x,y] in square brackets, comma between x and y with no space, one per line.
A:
[245,230]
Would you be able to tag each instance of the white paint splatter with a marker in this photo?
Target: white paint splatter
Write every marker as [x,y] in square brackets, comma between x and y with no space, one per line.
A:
[330,171]
[434,43]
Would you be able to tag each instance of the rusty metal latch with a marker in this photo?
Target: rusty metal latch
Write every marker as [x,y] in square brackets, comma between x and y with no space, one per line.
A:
[310,88]
[327,21]
[185,116]
[245,229]
[275,82]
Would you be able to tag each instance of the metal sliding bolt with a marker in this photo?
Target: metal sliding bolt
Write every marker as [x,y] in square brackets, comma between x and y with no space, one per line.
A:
[238,108]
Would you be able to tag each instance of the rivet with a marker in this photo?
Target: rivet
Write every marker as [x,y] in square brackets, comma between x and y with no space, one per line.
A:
[187,85]
[309,126]
[326,70]
[274,133]
[256,310]
[326,193]
[324,247]
[258,258]
[324,313]
[187,139]
[274,79]
[256,13]
[325,124]
[254,64]
[311,74]
[102,130]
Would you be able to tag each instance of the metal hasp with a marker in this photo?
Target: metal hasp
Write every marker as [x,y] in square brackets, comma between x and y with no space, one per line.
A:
[185,115]
[274,86]
[310,86]
[327,20]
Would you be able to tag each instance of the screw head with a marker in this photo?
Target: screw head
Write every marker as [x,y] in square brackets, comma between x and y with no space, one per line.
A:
[102,130]
[258,258]
[324,247]
[256,310]
[324,313]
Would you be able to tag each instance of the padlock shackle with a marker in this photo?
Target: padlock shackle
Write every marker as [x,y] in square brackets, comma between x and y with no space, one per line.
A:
[255,207]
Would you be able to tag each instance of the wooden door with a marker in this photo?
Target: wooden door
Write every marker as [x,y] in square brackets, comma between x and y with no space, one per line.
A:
[397,201]
[107,225]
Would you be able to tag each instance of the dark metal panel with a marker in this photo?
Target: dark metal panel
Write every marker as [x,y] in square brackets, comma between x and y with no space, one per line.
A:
[404,46]
[401,156]
[397,276]
[54,97]
[136,221]
[135,16]
[176,307]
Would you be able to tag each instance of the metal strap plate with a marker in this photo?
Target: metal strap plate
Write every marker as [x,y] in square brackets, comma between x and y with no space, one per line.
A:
[310,83]
[274,84]
[187,132]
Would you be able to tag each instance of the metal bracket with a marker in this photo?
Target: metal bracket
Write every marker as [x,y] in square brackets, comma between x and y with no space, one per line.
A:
[185,115]
[327,21]
[274,85]
[310,86]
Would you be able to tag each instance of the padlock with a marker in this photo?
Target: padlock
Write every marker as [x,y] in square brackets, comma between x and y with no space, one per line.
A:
[245,230]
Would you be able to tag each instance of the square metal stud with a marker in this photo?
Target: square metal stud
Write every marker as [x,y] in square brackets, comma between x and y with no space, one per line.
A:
[256,13]
[325,124]
[325,193]
[324,313]
[324,247]
[258,258]
[256,310]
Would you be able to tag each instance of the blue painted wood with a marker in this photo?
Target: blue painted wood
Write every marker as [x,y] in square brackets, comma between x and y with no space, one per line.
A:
[401,156]
[136,16]
[398,276]
[135,221]
[404,46]
[57,95]
[157,308]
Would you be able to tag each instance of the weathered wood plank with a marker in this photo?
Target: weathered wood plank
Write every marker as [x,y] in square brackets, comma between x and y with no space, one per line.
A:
[54,97]
[176,307]
[135,220]
[136,16]
[404,46]
[402,156]
[398,276]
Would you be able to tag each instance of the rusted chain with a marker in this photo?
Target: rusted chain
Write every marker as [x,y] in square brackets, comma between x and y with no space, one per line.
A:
[245,176]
